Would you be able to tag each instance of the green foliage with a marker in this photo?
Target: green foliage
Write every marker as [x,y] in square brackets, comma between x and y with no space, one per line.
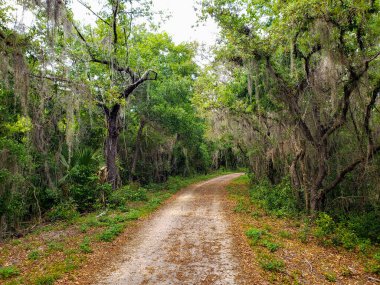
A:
[285,234]
[304,232]
[345,237]
[133,214]
[122,196]
[47,279]
[325,225]
[365,225]
[278,199]
[56,246]
[242,206]
[271,246]
[254,234]
[111,233]
[34,255]
[270,263]
[8,271]
[85,246]
[64,211]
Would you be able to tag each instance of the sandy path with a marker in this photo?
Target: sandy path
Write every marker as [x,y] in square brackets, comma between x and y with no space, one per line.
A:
[188,241]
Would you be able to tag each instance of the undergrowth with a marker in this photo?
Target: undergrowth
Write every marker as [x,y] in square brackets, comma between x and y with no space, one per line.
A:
[87,232]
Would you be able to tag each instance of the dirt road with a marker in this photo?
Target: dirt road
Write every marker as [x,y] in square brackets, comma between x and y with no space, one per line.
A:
[188,241]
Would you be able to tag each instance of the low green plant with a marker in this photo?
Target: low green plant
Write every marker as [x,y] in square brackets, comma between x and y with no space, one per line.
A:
[8,271]
[242,206]
[55,246]
[254,234]
[133,214]
[364,246]
[111,233]
[330,276]
[65,211]
[84,228]
[376,256]
[34,255]
[270,263]
[128,193]
[271,246]
[304,232]
[278,199]
[85,246]
[48,279]
[285,234]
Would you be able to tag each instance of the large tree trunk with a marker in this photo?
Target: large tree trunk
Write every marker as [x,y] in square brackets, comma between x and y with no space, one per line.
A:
[315,192]
[137,148]
[110,150]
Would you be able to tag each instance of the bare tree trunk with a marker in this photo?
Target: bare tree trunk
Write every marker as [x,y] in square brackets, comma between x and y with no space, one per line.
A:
[137,147]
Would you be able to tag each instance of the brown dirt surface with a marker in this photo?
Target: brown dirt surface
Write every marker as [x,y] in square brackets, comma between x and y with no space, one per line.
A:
[190,240]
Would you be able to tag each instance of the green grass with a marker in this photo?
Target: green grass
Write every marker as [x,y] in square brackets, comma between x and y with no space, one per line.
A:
[8,271]
[34,255]
[285,234]
[55,246]
[269,263]
[111,233]
[330,276]
[46,280]
[271,246]
[85,246]
[254,234]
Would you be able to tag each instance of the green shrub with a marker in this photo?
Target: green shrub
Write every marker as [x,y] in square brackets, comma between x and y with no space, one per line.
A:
[155,202]
[365,225]
[254,234]
[111,233]
[138,194]
[325,225]
[278,200]
[345,238]
[364,246]
[121,196]
[64,211]
[8,271]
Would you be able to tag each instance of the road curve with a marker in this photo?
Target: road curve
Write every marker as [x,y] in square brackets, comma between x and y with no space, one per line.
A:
[188,241]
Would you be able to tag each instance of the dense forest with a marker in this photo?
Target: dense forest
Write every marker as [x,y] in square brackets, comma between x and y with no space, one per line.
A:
[291,95]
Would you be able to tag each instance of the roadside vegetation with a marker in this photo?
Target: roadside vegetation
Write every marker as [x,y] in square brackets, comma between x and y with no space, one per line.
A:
[292,249]
[58,249]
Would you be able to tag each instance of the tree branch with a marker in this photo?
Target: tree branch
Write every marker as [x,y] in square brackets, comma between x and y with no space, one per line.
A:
[146,76]
[349,169]
[96,15]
